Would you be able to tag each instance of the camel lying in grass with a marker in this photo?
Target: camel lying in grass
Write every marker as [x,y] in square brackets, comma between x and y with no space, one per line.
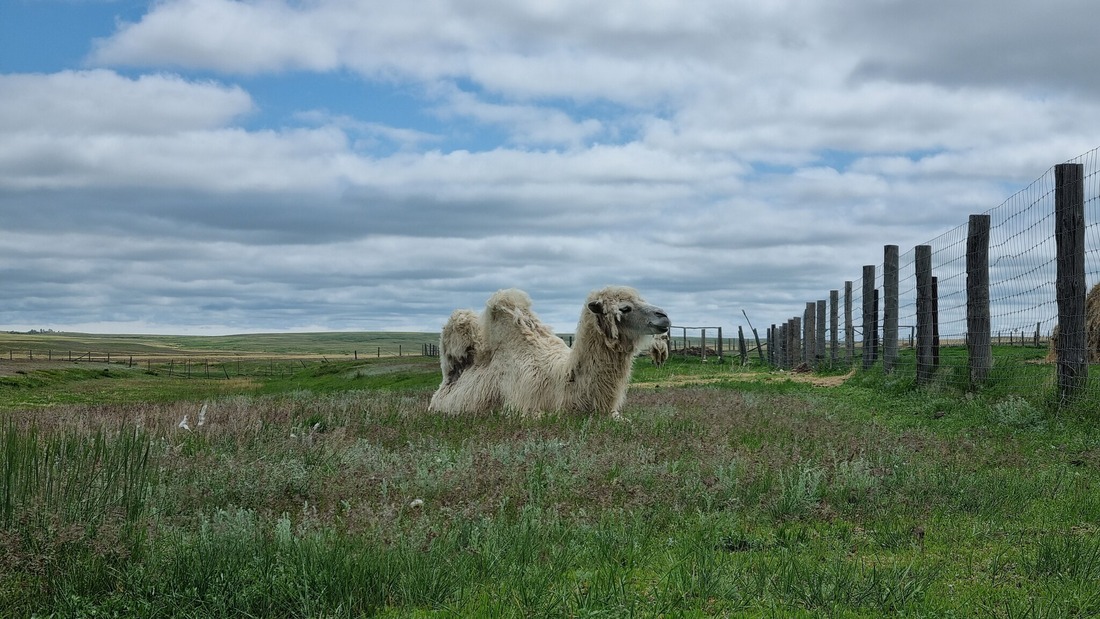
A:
[506,358]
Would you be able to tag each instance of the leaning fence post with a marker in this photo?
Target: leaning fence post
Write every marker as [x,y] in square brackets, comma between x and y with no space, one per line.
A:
[870,329]
[978,346]
[890,308]
[923,265]
[1069,236]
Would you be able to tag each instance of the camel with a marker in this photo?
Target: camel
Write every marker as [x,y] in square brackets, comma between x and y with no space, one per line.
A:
[506,358]
[659,350]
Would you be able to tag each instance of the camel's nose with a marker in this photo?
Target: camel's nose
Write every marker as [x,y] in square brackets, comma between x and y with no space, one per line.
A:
[662,321]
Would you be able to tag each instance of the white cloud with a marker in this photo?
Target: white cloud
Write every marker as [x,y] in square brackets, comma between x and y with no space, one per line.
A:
[527,124]
[241,37]
[104,102]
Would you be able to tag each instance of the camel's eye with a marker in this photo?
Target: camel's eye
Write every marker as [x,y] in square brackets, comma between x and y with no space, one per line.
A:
[625,309]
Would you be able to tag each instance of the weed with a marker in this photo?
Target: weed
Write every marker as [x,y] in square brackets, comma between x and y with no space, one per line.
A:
[1017,413]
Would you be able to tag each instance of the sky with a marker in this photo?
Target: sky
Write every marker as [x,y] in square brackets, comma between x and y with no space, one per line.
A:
[212,166]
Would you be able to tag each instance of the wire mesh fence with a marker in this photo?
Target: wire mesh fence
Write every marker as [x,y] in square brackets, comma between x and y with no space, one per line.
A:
[218,366]
[1023,297]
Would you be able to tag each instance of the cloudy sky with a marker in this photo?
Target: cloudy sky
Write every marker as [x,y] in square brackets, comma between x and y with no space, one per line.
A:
[213,166]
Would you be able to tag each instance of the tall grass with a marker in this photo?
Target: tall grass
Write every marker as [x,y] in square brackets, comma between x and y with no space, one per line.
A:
[72,509]
[71,477]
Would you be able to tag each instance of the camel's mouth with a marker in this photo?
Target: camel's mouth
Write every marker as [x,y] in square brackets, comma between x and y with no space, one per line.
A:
[661,326]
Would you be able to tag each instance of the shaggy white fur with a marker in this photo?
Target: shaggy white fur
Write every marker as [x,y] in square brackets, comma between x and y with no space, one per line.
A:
[659,350]
[506,358]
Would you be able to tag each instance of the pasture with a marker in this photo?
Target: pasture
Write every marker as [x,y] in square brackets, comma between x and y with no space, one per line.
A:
[329,491]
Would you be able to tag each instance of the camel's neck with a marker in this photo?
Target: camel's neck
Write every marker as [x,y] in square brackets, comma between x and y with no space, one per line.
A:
[600,374]
[591,347]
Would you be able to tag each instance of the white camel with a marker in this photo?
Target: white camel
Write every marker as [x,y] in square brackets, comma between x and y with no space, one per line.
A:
[508,359]
[658,352]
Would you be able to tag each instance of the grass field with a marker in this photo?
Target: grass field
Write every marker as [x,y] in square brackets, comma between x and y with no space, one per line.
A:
[329,491]
[65,346]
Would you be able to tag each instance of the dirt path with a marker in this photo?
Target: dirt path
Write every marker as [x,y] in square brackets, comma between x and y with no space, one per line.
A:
[798,377]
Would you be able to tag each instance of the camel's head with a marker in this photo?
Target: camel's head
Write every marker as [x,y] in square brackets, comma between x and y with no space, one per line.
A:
[624,318]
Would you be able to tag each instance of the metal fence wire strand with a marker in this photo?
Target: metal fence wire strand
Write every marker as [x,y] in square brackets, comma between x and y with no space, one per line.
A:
[1023,303]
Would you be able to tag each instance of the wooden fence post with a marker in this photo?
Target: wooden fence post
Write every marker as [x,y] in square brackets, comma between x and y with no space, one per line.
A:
[741,345]
[796,343]
[870,329]
[781,346]
[808,339]
[834,336]
[979,349]
[890,308]
[819,348]
[1069,236]
[849,328]
[935,323]
[876,321]
[923,266]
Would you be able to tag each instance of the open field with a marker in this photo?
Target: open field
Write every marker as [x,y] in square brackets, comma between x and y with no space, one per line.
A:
[83,347]
[330,491]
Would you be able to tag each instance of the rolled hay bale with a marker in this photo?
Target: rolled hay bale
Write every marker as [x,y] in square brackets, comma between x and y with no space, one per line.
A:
[1092,328]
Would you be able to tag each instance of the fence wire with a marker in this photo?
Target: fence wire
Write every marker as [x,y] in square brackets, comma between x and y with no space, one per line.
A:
[1022,288]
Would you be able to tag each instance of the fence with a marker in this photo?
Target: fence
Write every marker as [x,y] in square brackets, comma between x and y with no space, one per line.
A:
[1006,278]
[196,365]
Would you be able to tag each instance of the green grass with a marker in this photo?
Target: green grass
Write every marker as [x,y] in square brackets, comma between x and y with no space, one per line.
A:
[72,384]
[331,491]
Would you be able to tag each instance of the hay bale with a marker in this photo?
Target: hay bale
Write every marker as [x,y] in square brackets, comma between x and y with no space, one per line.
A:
[1052,347]
[1092,328]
